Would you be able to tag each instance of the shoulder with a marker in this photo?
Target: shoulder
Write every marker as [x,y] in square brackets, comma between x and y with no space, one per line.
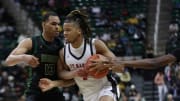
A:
[98,42]
[25,43]
[35,37]
[61,52]
[100,45]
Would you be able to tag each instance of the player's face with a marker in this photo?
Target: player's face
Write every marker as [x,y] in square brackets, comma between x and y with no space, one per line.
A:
[51,26]
[71,32]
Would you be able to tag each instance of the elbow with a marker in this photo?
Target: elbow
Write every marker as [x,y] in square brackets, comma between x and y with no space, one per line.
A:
[12,60]
[8,62]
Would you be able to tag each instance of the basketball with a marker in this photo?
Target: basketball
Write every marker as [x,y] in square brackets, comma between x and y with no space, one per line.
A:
[93,73]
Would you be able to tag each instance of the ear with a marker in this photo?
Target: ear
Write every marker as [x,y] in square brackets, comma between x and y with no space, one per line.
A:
[79,31]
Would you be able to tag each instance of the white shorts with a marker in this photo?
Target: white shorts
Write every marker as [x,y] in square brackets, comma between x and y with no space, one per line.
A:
[103,92]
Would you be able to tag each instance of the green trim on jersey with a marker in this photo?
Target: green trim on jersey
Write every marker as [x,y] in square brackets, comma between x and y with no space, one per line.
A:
[49,58]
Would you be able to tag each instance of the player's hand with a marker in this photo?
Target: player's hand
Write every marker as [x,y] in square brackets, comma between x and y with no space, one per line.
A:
[31,60]
[99,65]
[46,84]
[118,68]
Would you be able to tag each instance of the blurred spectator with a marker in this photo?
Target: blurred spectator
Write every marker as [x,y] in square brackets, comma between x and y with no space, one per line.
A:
[173,42]
[133,20]
[173,89]
[123,36]
[67,94]
[138,48]
[51,3]
[22,98]
[129,49]
[131,29]
[173,27]
[102,21]
[117,23]
[134,95]
[160,82]
[168,72]
[149,51]
[119,49]
[105,36]
[124,97]
[96,11]
[170,97]
[139,98]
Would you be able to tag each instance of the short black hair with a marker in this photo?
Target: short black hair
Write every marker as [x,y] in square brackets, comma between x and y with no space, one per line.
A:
[46,16]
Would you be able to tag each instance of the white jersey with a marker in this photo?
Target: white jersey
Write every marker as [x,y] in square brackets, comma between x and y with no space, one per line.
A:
[76,58]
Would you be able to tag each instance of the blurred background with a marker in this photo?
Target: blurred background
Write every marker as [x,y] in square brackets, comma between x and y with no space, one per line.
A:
[132,29]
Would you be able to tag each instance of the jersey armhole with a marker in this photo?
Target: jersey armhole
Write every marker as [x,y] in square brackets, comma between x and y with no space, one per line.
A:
[64,53]
[34,45]
[91,49]
[92,40]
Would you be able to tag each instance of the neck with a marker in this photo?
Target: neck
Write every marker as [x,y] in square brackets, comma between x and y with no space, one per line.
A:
[77,42]
[47,38]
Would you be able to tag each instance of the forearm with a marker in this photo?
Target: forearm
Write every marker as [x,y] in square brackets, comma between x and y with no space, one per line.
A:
[67,74]
[14,59]
[152,63]
[143,64]
[63,83]
[67,83]
[147,64]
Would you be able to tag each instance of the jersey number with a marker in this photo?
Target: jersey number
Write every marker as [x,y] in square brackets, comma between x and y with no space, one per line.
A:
[49,69]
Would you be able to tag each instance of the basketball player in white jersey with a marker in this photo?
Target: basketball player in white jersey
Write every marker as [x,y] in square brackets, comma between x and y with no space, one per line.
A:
[78,49]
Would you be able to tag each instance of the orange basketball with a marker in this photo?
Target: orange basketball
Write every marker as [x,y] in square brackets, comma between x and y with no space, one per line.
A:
[93,73]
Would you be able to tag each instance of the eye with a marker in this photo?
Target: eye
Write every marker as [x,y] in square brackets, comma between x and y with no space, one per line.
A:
[67,29]
[54,24]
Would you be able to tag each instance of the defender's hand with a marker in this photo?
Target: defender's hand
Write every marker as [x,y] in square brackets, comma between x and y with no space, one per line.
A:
[46,84]
[103,65]
[31,60]
[99,65]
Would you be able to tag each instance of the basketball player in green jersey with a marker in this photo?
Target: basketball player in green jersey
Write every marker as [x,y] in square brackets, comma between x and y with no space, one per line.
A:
[41,53]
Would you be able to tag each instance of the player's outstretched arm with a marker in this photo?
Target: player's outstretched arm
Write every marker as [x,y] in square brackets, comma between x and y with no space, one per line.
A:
[18,55]
[46,84]
[152,63]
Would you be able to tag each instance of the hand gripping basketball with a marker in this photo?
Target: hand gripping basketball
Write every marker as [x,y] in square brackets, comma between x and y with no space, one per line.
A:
[94,73]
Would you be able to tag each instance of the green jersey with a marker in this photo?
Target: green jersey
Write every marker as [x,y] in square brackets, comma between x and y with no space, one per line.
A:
[48,53]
